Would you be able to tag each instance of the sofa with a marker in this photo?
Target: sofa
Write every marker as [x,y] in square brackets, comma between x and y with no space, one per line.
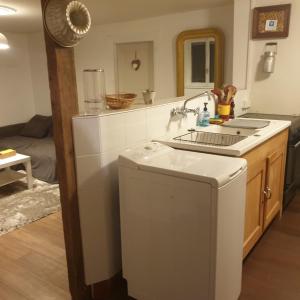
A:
[34,139]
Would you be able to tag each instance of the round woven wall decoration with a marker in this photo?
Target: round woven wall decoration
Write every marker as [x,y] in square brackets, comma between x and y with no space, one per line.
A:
[66,21]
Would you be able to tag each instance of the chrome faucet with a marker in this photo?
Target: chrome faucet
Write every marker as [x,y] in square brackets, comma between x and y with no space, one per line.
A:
[184,111]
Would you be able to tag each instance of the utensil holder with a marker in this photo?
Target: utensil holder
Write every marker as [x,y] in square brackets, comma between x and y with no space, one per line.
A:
[224,111]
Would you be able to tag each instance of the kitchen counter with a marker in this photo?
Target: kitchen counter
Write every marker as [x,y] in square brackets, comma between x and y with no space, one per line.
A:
[254,137]
[292,174]
[265,151]
[295,121]
[137,105]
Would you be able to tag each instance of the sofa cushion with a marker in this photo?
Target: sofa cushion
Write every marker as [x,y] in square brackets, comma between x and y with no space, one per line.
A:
[50,132]
[37,127]
[11,130]
[41,151]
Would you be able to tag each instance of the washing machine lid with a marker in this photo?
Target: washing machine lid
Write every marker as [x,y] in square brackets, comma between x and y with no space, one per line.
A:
[158,158]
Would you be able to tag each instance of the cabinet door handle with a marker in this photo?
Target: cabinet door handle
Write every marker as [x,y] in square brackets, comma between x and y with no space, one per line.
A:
[268,193]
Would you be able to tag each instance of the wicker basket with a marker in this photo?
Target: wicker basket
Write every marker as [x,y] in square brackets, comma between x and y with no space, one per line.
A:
[118,101]
[66,21]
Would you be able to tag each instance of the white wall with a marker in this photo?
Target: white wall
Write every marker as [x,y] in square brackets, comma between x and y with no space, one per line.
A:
[39,74]
[242,12]
[97,49]
[276,93]
[130,80]
[23,79]
[16,95]
[241,43]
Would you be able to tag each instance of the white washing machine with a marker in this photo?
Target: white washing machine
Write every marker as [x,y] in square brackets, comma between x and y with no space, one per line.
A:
[182,223]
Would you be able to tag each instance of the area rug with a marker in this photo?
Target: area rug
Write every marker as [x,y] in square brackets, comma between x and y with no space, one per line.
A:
[20,206]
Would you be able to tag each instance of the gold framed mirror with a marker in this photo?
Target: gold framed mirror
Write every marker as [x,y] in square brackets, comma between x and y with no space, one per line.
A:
[200,60]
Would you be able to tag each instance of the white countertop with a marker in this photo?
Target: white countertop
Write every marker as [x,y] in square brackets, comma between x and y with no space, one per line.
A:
[137,105]
[256,137]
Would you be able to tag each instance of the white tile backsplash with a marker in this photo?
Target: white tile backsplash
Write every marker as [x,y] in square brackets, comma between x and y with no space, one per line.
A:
[88,171]
[158,121]
[112,132]
[99,215]
[98,142]
[135,127]
[86,135]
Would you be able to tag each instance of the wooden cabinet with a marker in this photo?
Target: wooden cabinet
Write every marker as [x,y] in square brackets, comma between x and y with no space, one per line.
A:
[274,184]
[254,205]
[266,168]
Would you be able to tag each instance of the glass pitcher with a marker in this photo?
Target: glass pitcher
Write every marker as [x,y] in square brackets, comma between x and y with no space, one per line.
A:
[94,90]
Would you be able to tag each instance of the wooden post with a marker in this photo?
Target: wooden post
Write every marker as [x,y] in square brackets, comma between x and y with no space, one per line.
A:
[64,102]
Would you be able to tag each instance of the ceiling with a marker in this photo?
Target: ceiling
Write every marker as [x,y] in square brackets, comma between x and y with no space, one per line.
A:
[28,17]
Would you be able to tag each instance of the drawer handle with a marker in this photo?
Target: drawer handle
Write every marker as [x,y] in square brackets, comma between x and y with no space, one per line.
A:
[268,193]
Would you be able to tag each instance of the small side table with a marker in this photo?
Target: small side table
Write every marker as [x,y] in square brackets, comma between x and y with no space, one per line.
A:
[7,175]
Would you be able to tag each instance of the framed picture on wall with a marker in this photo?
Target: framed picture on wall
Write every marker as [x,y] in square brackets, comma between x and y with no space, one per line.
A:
[271,21]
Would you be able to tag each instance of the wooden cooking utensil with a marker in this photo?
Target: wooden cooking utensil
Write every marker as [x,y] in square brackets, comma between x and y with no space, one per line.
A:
[218,93]
[230,91]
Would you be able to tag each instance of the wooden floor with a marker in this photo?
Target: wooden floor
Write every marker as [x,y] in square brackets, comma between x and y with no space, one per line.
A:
[33,262]
[272,270]
[33,265]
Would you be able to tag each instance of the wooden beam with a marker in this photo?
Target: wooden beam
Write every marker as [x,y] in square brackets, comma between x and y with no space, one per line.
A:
[64,102]
[112,289]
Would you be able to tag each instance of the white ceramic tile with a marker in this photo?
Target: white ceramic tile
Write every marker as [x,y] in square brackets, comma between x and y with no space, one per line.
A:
[105,137]
[160,122]
[86,136]
[112,132]
[135,127]
[99,216]
[88,171]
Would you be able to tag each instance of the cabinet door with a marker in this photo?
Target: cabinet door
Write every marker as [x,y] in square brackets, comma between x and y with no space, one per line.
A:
[254,204]
[274,184]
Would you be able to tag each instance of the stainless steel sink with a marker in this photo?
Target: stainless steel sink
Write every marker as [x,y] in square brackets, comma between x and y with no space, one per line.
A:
[211,138]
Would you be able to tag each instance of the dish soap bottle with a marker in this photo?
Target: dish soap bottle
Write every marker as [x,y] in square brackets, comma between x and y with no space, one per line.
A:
[199,120]
[203,117]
